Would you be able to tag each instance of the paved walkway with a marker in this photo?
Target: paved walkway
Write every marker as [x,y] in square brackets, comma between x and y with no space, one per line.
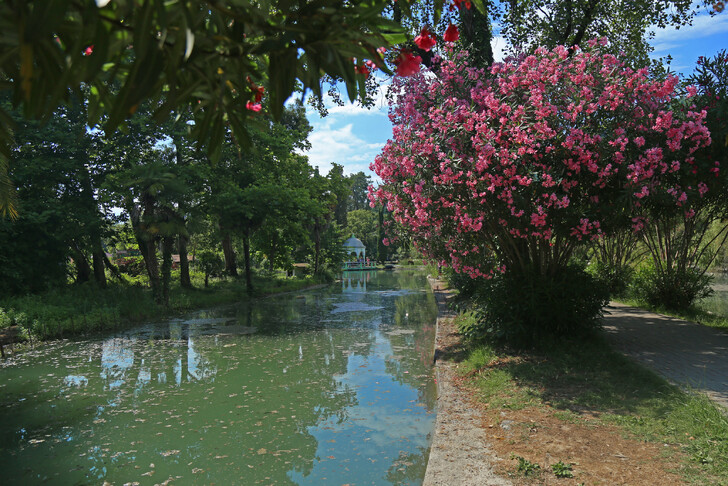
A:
[684,352]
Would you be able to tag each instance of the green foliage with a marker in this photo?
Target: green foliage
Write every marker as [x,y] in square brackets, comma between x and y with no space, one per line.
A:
[526,467]
[203,61]
[131,265]
[552,22]
[358,199]
[210,263]
[532,309]
[562,470]
[674,290]
[615,278]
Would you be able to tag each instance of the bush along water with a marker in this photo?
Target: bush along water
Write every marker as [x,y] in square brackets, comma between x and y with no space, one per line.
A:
[531,309]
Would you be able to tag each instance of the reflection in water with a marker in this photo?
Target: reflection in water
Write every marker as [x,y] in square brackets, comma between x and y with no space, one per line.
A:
[330,386]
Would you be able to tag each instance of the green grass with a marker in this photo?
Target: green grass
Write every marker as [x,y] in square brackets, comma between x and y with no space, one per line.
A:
[76,309]
[693,314]
[576,377]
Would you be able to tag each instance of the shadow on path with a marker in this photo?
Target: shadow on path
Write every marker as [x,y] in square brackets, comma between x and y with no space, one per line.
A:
[684,352]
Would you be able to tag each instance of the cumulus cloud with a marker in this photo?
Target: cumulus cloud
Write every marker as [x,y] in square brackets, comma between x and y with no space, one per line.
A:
[499,45]
[703,26]
[332,141]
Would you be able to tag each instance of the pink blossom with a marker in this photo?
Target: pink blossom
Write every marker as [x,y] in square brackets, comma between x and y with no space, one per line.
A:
[253,106]
[533,154]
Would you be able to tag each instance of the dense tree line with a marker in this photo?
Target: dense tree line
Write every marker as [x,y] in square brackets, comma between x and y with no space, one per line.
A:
[148,190]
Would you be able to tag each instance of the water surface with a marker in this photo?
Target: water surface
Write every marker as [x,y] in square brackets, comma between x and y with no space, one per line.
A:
[330,386]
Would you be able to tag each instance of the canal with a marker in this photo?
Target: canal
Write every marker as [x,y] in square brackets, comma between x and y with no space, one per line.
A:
[328,386]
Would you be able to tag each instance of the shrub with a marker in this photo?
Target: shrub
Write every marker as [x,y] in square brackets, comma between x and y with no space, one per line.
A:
[530,309]
[672,290]
[615,278]
[132,265]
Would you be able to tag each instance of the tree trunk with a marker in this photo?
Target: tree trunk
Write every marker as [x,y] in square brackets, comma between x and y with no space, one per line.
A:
[148,250]
[83,269]
[231,267]
[167,246]
[246,259]
[184,264]
[273,252]
[98,261]
[317,247]
[150,261]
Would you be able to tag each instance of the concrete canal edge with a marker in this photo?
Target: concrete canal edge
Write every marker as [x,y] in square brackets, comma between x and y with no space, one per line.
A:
[460,454]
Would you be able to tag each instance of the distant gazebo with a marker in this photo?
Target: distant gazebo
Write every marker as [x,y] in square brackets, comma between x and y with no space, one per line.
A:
[354,245]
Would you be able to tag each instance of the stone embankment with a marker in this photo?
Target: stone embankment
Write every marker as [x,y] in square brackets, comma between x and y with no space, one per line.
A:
[460,454]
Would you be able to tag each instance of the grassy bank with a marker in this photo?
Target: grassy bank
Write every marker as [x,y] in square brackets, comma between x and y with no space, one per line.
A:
[589,384]
[82,309]
[692,314]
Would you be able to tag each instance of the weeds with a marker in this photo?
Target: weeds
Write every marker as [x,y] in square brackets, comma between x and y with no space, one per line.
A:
[526,467]
[562,470]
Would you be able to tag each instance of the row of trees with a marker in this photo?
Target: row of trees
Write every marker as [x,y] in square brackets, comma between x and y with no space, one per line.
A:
[178,72]
[78,188]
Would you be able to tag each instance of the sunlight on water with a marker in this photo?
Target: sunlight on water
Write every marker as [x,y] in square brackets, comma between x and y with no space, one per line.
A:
[331,386]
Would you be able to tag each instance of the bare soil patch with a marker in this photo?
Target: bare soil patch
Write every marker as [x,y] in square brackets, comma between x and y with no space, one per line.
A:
[598,453]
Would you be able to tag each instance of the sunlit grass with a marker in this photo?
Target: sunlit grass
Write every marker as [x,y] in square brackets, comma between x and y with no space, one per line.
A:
[574,377]
[77,309]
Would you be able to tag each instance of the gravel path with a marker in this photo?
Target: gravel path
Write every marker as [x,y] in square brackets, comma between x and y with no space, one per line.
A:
[460,454]
[684,352]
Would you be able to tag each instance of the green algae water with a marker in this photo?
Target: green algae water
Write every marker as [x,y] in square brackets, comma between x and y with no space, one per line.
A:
[329,386]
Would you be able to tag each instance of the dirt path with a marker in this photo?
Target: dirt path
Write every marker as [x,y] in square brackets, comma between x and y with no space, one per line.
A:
[460,453]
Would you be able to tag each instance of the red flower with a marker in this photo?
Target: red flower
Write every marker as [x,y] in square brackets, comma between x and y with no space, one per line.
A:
[425,40]
[258,90]
[407,64]
[89,50]
[451,34]
[458,3]
[719,6]
[253,107]
[362,70]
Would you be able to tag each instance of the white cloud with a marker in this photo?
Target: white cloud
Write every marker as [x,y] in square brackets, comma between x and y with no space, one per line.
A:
[703,26]
[332,142]
[499,46]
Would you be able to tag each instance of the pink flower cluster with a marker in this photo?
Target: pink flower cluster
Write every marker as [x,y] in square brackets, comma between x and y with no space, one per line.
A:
[484,168]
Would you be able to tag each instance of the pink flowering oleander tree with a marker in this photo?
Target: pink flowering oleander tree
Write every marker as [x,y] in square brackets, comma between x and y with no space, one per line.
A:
[683,244]
[510,171]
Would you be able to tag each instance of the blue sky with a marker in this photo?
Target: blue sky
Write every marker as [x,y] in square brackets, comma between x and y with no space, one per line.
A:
[353,136]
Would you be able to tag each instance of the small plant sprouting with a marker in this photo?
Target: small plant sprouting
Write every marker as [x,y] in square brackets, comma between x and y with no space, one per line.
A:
[526,467]
[562,470]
